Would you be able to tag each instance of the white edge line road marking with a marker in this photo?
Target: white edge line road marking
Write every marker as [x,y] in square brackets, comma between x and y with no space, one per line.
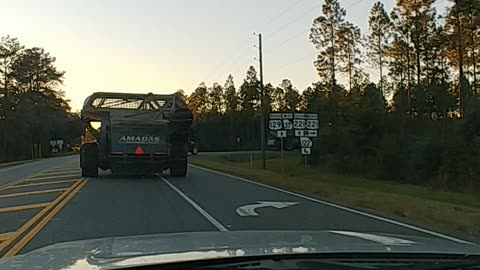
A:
[391,221]
[204,213]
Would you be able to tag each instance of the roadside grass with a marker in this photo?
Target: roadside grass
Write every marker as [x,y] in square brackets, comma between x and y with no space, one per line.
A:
[450,212]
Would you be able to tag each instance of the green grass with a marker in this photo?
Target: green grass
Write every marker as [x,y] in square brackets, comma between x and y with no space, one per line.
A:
[450,212]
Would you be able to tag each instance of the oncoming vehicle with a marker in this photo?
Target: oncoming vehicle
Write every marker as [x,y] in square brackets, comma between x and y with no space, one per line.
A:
[135,133]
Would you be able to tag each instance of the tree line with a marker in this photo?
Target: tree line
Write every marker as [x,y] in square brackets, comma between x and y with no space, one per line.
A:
[419,123]
[33,108]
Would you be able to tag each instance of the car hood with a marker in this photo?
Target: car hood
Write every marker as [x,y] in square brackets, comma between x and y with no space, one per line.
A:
[119,252]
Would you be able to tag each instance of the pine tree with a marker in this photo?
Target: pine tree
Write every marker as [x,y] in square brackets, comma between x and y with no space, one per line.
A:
[215,99]
[291,96]
[350,41]
[198,102]
[325,36]
[10,49]
[230,96]
[379,37]
[249,93]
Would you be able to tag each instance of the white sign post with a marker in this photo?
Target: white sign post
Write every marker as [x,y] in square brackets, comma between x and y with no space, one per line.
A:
[281,134]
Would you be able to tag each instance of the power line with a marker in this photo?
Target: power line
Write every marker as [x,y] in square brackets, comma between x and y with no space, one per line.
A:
[292,21]
[306,30]
[290,39]
[241,49]
[283,12]
[356,3]
[295,61]
[229,62]
[279,29]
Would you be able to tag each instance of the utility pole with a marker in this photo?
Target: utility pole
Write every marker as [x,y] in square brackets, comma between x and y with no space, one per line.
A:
[262,101]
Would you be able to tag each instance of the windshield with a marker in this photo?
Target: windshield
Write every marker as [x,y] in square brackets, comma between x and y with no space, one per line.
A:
[305,126]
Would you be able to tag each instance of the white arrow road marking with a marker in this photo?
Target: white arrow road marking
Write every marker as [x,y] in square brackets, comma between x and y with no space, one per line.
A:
[385,240]
[249,209]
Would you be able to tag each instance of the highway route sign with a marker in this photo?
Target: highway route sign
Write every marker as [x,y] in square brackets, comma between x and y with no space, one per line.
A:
[305,142]
[275,116]
[299,133]
[287,115]
[298,123]
[310,133]
[281,133]
[275,124]
[306,150]
[312,124]
[287,124]
[305,116]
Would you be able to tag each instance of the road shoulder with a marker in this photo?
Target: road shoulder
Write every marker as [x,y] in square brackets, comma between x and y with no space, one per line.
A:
[458,216]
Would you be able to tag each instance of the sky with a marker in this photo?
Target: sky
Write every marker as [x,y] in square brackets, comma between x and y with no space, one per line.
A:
[161,46]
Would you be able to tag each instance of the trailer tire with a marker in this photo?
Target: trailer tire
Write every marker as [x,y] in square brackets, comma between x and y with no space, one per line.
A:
[89,160]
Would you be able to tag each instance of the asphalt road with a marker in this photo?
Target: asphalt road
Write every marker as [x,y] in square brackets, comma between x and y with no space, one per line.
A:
[47,202]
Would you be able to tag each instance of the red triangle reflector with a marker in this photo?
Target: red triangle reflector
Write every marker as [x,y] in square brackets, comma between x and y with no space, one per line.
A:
[139,151]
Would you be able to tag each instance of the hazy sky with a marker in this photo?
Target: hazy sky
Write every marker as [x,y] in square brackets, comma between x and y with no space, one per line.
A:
[163,45]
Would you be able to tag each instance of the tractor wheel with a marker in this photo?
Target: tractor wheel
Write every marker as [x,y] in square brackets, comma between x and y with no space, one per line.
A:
[178,168]
[179,162]
[89,160]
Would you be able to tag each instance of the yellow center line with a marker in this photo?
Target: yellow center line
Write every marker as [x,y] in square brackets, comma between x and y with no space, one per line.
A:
[52,177]
[22,180]
[12,195]
[32,233]
[56,174]
[39,215]
[42,183]
[23,207]
[33,177]
[60,172]
[6,236]
[10,184]
[64,169]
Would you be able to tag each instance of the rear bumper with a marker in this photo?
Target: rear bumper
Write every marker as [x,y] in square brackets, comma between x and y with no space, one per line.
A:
[140,164]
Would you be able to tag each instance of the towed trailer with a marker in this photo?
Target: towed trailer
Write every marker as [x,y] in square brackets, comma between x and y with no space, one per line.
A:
[135,134]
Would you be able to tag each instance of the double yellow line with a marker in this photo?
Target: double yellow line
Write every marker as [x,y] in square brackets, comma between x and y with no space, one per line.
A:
[46,213]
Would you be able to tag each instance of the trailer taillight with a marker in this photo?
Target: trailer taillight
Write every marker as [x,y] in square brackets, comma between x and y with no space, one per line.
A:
[117,154]
[139,151]
[160,154]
